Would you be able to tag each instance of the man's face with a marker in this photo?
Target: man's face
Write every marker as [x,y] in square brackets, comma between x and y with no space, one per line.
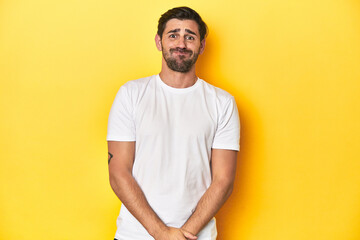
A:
[180,44]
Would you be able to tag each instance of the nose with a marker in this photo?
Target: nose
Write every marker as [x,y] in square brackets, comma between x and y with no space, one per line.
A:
[182,43]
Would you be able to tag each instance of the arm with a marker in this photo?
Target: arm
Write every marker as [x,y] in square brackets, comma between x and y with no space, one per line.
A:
[223,165]
[121,159]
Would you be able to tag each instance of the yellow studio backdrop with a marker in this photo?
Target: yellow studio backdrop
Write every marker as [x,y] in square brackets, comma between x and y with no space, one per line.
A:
[293,67]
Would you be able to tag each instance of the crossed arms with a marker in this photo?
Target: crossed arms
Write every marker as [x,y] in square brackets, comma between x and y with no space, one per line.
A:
[121,159]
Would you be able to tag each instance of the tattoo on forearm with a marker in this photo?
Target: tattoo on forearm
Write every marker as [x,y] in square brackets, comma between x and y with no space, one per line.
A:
[110,157]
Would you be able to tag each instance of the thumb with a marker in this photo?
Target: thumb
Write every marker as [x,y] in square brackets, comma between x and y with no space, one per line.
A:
[188,235]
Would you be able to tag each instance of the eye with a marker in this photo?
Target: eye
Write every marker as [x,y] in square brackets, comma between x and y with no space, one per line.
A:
[189,37]
[172,36]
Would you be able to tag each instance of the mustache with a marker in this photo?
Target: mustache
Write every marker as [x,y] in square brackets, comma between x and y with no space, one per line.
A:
[182,50]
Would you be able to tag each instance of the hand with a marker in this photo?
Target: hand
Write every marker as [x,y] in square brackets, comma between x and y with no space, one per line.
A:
[188,235]
[175,234]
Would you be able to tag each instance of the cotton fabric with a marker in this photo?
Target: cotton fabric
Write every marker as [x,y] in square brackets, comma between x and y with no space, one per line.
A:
[174,130]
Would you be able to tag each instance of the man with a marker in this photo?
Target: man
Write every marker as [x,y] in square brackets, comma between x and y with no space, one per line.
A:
[173,141]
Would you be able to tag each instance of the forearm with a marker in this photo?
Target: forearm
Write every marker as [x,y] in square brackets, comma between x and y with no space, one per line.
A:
[209,204]
[131,195]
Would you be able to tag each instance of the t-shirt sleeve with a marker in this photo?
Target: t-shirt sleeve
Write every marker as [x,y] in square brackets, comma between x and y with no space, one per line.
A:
[227,135]
[121,126]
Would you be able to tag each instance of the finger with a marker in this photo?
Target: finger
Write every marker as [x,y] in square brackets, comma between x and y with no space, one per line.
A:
[188,235]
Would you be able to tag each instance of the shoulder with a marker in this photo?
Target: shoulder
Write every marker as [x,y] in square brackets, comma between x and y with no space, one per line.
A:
[219,94]
[134,88]
[138,84]
[131,91]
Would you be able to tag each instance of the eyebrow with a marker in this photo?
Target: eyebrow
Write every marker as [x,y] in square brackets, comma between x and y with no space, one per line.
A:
[178,30]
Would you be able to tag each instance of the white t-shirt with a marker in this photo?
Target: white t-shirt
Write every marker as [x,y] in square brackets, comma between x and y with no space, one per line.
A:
[175,130]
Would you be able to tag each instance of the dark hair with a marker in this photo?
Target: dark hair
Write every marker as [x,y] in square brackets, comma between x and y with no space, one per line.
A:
[182,13]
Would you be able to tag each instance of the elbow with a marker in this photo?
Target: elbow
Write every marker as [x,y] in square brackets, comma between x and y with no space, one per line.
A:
[122,183]
[117,179]
[226,186]
[113,181]
[229,189]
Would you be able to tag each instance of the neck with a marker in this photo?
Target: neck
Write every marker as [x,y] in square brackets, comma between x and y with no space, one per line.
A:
[178,79]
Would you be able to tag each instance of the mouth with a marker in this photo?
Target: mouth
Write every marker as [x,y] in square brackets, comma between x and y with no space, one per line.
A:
[180,51]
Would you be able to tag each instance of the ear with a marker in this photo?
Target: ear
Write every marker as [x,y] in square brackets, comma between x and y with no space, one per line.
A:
[158,42]
[202,46]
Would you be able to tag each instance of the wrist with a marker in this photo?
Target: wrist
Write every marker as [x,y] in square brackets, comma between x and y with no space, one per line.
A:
[188,229]
[157,230]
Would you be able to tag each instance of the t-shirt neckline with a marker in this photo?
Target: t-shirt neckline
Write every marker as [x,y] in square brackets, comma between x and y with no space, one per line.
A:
[178,90]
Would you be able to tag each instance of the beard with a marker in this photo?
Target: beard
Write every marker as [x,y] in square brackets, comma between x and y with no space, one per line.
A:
[180,63]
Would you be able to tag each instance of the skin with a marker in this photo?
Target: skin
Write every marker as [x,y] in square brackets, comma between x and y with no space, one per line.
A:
[178,34]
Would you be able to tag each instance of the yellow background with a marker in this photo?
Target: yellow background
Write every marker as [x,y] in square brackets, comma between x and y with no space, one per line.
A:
[293,67]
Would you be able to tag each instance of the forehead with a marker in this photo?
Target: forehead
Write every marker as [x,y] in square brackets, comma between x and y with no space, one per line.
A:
[181,24]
